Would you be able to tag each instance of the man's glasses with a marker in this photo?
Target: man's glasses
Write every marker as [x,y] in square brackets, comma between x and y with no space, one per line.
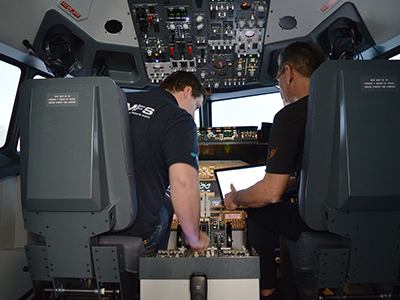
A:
[276,83]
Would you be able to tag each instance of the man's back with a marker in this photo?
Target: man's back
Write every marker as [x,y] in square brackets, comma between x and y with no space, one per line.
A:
[163,134]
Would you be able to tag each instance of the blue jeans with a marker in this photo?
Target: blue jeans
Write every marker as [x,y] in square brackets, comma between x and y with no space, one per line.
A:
[160,237]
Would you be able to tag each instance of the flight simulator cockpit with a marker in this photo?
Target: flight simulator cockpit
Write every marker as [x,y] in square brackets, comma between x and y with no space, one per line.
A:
[232,46]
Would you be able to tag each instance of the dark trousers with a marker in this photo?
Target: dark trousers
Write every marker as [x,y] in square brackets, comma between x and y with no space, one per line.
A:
[281,218]
[159,239]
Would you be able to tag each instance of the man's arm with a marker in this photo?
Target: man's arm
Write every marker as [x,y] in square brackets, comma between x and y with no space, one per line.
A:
[268,190]
[185,197]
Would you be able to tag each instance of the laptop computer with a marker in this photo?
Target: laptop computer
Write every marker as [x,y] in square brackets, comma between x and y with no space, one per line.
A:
[241,177]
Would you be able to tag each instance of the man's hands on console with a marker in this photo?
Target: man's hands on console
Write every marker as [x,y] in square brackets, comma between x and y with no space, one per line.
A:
[202,243]
[229,200]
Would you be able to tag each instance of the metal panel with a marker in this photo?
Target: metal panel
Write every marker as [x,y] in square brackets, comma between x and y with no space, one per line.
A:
[38,264]
[232,289]
[108,263]
[332,267]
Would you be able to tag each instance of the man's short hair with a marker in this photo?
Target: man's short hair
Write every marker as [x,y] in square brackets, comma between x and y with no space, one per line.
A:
[304,57]
[178,80]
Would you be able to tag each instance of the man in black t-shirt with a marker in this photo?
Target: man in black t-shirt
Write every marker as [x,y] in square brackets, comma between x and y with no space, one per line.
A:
[266,213]
[165,153]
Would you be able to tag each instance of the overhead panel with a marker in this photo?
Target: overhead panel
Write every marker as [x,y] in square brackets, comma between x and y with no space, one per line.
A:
[221,41]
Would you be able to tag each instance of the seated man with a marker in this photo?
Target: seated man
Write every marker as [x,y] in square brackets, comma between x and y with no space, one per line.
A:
[266,214]
[165,153]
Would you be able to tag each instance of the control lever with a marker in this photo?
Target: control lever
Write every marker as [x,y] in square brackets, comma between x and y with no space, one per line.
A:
[198,286]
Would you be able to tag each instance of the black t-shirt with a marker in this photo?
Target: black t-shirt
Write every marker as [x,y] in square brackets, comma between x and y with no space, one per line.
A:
[286,142]
[163,134]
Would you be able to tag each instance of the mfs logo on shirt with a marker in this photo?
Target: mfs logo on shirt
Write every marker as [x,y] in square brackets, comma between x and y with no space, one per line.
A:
[141,110]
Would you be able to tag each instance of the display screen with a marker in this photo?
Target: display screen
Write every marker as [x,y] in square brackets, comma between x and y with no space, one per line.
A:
[177,13]
[240,177]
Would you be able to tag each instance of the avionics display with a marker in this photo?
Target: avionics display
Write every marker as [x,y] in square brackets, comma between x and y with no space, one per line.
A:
[177,13]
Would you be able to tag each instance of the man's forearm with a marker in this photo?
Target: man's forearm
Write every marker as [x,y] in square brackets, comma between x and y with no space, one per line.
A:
[185,196]
[187,208]
[269,190]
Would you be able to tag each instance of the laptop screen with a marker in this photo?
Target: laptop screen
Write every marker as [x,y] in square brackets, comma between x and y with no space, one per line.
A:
[240,177]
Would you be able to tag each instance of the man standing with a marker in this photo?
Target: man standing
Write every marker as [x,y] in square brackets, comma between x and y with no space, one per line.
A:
[165,153]
[266,213]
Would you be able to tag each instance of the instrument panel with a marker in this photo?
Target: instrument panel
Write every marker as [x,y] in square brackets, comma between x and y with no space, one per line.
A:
[227,134]
[221,41]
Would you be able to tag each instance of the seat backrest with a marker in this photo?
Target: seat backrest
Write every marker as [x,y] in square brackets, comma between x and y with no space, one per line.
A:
[351,167]
[77,177]
[352,139]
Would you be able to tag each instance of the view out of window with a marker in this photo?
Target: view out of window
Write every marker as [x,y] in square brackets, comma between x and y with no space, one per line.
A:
[9,79]
[396,57]
[247,111]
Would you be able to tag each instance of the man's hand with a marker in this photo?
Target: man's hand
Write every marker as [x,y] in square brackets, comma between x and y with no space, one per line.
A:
[202,244]
[229,199]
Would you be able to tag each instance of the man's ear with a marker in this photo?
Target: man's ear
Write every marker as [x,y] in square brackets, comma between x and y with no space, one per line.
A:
[289,74]
[188,91]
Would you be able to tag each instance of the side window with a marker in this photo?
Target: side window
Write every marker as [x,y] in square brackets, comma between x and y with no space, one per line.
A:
[246,111]
[9,80]
[396,57]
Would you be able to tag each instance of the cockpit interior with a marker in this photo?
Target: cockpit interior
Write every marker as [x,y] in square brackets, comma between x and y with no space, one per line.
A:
[61,189]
